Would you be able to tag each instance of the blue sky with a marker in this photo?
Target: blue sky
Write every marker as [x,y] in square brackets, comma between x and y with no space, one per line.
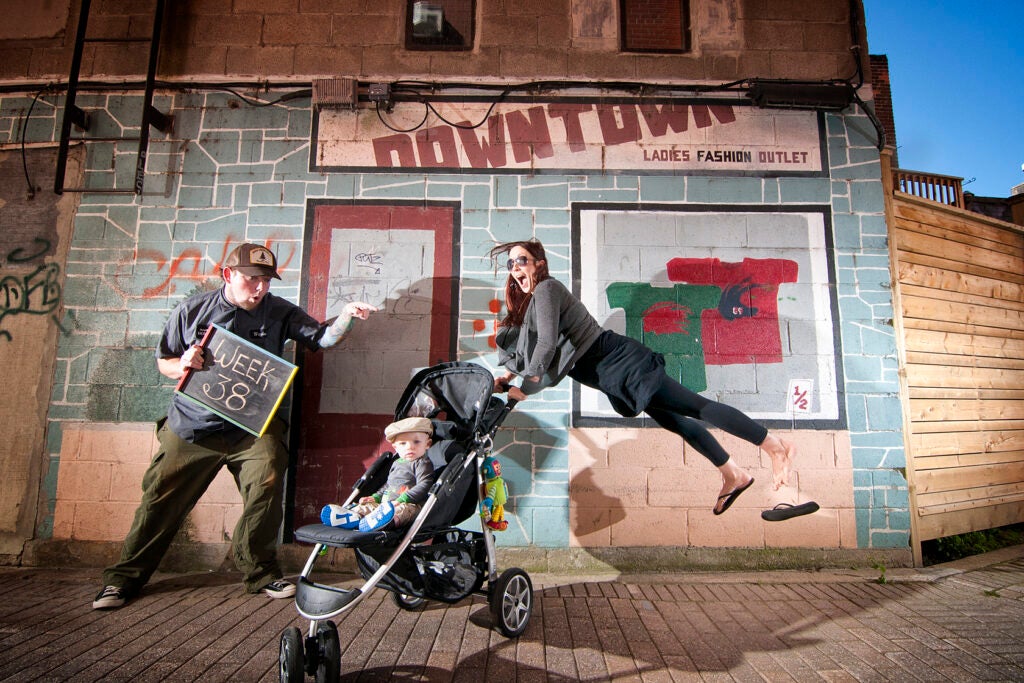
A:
[957,73]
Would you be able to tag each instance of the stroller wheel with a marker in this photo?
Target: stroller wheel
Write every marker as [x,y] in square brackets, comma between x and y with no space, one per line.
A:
[409,603]
[511,600]
[328,667]
[290,657]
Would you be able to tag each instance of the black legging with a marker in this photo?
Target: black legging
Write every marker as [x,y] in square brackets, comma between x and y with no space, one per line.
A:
[677,409]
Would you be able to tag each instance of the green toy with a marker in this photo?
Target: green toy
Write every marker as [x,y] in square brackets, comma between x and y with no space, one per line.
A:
[492,507]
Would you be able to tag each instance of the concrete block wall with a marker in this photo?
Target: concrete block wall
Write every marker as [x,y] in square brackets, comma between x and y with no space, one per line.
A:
[661,494]
[231,173]
[101,466]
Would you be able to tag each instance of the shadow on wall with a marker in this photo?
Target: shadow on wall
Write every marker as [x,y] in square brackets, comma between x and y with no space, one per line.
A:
[348,394]
[602,511]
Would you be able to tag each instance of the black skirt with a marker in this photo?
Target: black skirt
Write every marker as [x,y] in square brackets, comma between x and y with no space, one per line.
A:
[623,369]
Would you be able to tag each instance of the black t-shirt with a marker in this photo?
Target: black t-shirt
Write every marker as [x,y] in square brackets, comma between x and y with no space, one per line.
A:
[268,326]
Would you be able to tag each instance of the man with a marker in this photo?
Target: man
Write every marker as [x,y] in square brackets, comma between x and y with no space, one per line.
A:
[195,442]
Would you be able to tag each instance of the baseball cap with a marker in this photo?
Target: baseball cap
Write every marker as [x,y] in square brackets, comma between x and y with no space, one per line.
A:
[252,259]
[409,424]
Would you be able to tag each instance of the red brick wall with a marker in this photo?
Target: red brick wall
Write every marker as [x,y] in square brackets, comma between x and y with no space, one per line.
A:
[883,101]
[654,25]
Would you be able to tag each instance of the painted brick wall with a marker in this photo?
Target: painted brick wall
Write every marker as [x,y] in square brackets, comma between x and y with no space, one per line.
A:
[233,173]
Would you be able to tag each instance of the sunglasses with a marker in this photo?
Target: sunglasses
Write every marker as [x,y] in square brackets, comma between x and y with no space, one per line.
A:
[519,261]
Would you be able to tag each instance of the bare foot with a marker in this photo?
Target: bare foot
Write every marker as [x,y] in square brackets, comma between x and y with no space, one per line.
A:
[782,453]
[734,478]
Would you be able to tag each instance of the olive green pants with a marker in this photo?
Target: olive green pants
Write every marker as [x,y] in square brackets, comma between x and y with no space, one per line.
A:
[179,475]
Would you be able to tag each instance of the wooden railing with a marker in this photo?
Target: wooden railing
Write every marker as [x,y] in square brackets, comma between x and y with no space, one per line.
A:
[944,189]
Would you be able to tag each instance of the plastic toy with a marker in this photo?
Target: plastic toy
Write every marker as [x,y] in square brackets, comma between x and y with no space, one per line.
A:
[492,507]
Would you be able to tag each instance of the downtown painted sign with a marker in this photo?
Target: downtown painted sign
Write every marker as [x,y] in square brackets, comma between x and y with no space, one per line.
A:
[668,138]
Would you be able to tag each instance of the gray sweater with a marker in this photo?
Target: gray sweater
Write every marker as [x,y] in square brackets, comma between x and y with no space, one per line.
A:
[411,478]
[556,331]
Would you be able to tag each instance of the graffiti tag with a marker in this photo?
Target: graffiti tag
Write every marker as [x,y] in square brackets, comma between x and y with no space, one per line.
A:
[37,293]
[188,266]
[372,261]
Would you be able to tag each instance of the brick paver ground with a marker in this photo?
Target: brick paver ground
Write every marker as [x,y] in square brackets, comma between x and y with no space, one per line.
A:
[939,624]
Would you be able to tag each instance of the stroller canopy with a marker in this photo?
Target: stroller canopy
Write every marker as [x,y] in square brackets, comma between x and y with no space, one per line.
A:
[457,392]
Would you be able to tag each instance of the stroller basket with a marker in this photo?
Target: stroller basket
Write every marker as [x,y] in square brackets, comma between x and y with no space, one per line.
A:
[451,567]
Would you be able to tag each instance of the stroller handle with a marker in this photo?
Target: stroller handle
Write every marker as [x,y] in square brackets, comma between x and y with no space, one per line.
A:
[500,416]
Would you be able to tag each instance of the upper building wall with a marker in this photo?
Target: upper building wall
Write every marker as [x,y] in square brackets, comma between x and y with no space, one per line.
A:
[515,40]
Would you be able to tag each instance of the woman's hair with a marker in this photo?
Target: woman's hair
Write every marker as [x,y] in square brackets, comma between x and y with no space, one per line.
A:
[516,300]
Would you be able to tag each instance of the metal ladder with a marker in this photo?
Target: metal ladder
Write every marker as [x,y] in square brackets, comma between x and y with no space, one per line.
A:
[78,117]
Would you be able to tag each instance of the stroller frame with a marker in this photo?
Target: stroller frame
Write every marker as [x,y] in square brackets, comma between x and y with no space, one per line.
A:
[477,415]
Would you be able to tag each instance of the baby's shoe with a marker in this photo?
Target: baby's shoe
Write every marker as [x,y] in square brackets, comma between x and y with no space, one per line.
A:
[336,515]
[379,518]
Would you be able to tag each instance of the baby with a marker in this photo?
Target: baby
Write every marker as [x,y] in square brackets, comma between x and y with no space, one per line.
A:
[409,480]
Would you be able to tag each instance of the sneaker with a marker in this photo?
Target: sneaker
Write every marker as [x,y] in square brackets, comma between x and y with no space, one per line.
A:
[280,589]
[379,518]
[335,515]
[111,597]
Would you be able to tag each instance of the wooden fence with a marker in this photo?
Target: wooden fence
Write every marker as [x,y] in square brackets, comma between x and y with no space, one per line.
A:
[960,302]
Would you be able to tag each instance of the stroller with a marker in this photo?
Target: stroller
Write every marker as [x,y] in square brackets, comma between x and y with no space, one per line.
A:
[431,559]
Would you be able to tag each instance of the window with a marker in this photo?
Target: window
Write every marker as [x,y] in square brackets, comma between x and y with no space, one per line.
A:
[655,25]
[439,24]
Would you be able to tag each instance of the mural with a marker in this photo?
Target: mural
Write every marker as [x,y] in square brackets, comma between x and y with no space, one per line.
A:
[750,313]
[735,321]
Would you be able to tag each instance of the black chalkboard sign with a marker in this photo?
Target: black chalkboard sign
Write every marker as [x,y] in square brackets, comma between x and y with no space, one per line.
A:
[241,382]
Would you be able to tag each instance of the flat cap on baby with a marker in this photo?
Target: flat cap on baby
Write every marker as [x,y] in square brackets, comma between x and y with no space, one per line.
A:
[409,424]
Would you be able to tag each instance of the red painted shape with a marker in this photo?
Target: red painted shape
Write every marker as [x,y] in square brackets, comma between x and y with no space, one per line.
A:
[745,327]
[666,318]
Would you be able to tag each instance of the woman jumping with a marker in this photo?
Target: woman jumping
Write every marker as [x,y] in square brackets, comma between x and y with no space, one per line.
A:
[548,334]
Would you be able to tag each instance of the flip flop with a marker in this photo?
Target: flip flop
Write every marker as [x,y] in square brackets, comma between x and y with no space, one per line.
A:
[784,511]
[731,497]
